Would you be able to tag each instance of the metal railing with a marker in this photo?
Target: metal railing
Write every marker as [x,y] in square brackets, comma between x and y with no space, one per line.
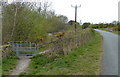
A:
[23,47]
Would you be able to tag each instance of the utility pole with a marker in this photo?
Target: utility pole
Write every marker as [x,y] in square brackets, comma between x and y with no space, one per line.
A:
[75,14]
[75,22]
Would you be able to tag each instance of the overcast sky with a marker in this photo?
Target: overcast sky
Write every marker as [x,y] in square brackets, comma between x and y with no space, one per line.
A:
[90,11]
[93,11]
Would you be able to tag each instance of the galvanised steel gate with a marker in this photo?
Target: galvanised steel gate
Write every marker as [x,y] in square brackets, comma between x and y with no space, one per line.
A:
[23,48]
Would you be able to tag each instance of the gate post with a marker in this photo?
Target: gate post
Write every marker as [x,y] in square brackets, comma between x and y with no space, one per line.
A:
[17,49]
[35,47]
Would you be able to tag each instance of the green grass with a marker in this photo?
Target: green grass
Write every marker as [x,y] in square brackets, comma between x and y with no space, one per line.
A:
[84,60]
[41,49]
[9,64]
[110,31]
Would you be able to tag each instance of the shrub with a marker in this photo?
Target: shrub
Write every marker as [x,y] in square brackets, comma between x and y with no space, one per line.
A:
[69,41]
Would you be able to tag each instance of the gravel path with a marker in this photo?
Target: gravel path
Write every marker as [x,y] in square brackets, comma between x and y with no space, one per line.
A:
[22,65]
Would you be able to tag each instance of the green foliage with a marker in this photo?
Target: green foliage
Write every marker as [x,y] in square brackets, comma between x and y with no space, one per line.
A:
[72,22]
[83,60]
[113,25]
[116,28]
[8,64]
[29,22]
[85,25]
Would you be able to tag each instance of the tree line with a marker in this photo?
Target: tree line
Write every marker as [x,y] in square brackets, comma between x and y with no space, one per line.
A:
[29,21]
[115,25]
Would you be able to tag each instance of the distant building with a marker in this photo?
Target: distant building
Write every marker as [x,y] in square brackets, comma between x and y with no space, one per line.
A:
[119,11]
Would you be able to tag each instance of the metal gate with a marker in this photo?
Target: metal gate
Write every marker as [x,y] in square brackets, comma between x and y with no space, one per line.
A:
[23,48]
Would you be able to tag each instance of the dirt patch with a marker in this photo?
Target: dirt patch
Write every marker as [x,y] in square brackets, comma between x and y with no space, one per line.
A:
[22,65]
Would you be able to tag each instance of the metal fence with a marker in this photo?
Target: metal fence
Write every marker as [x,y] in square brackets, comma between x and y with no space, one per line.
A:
[23,47]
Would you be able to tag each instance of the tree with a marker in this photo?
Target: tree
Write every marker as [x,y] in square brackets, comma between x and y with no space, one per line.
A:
[85,25]
[71,22]
[63,19]
[23,21]
[115,22]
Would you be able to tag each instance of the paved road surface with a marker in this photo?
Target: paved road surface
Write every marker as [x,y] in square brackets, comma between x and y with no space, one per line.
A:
[110,56]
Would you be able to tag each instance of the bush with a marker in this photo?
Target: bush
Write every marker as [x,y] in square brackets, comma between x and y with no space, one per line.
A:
[85,25]
[69,41]
[116,28]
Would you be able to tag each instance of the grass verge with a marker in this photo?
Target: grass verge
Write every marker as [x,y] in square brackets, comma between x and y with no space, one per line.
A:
[111,31]
[84,60]
[8,64]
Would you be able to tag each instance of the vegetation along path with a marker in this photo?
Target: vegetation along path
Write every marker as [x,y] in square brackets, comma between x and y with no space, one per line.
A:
[23,63]
[85,60]
[110,56]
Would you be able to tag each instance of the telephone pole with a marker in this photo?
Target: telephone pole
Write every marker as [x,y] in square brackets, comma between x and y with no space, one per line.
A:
[75,22]
[75,14]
